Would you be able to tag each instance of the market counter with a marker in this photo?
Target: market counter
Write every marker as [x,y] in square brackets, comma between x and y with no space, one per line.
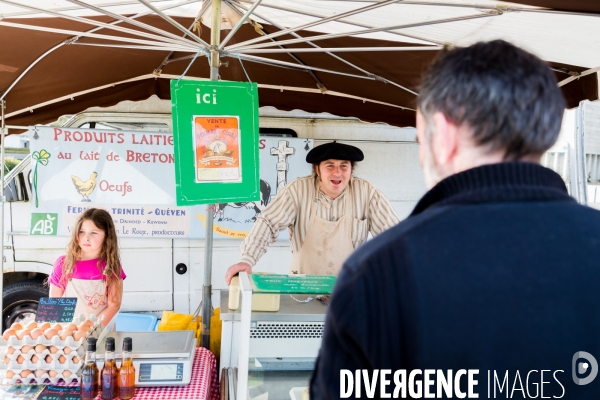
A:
[203,385]
[278,348]
[292,310]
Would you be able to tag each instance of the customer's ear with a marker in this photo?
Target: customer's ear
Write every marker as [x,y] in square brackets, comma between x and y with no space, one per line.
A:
[445,141]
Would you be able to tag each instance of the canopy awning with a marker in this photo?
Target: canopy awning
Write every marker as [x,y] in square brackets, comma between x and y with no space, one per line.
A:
[60,57]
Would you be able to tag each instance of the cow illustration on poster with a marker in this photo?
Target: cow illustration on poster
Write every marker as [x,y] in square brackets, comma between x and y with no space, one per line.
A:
[255,206]
[282,160]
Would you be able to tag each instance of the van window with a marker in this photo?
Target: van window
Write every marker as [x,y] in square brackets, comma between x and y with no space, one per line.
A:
[127,126]
[283,132]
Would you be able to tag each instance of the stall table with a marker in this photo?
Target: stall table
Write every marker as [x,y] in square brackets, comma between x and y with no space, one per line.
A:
[204,384]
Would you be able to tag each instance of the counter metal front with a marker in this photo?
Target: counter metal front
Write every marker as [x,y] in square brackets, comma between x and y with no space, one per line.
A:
[273,351]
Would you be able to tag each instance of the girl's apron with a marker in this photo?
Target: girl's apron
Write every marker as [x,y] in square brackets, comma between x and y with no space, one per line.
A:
[327,243]
[91,296]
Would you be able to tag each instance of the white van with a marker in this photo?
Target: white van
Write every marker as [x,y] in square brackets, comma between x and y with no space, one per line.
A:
[167,274]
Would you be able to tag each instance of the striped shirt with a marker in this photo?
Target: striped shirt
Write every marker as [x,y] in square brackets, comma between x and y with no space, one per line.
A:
[291,209]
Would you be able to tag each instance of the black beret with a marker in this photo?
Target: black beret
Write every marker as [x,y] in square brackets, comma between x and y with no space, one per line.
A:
[334,151]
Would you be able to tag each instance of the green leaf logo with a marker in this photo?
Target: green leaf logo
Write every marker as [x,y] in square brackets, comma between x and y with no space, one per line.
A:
[40,157]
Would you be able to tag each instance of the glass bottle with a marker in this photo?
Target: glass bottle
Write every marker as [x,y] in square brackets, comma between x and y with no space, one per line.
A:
[126,372]
[89,374]
[109,372]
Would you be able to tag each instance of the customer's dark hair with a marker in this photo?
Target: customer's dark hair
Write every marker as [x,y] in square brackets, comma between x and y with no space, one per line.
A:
[508,97]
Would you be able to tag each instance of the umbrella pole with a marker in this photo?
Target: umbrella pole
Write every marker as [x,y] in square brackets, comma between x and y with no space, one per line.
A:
[215,38]
[2,200]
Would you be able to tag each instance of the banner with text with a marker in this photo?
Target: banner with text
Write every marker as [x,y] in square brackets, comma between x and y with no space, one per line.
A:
[131,175]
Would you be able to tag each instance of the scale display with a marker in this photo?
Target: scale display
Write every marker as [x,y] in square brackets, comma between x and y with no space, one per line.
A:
[161,372]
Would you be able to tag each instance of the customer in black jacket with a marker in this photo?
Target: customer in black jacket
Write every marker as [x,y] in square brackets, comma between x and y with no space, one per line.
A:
[492,285]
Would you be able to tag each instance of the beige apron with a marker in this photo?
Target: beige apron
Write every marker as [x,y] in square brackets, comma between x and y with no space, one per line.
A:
[327,243]
[91,296]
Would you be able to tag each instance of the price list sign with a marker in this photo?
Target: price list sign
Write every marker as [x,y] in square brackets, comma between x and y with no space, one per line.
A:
[56,309]
[60,393]
[306,284]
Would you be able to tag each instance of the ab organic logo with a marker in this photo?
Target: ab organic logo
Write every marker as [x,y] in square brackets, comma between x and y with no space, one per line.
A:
[45,224]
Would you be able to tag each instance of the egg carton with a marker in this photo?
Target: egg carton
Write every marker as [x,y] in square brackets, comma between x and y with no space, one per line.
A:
[70,342]
[55,341]
[66,351]
[70,363]
[81,318]
[44,378]
[96,328]
[27,356]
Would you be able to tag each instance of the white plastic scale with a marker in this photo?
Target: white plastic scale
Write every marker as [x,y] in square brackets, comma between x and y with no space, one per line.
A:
[160,358]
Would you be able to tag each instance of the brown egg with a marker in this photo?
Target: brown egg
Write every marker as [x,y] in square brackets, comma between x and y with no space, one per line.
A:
[44,325]
[67,373]
[10,350]
[52,373]
[40,348]
[65,333]
[16,326]
[83,327]
[20,359]
[67,350]
[48,359]
[6,360]
[25,373]
[53,349]
[31,325]
[58,327]
[35,333]
[40,372]
[50,333]
[8,333]
[26,349]
[34,359]
[62,359]
[9,374]
[88,323]
[22,333]
[71,327]
[75,359]
[79,335]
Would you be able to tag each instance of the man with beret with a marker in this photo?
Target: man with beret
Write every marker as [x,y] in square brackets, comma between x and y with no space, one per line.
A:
[328,214]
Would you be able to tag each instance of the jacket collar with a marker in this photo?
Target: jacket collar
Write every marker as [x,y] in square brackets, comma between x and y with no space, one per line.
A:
[503,182]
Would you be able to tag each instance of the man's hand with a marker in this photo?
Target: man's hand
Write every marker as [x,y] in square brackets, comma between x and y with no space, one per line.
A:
[235,269]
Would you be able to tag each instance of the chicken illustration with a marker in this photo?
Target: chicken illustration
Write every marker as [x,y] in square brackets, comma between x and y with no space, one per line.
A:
[85,188]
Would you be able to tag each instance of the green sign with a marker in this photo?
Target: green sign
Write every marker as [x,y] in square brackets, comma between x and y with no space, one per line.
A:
[273,283]
[44,224]
[215,132]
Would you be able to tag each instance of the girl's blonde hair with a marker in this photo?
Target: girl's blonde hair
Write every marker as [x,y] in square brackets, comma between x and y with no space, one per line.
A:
[109,253]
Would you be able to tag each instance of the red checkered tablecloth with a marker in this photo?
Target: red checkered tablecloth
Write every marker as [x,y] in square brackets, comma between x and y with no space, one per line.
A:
[204,384]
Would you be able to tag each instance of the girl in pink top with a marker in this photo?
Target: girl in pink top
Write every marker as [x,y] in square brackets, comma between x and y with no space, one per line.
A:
[91,269]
